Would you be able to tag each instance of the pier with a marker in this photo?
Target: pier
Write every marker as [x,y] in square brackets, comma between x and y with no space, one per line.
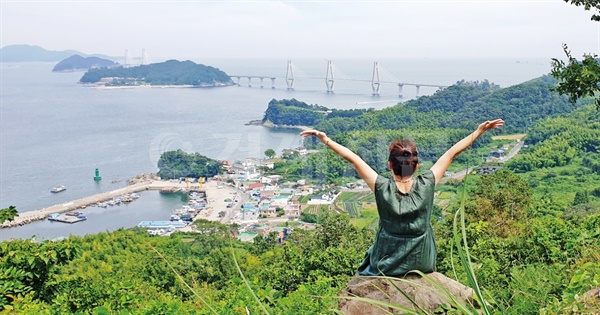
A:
[66,218]
[42,214]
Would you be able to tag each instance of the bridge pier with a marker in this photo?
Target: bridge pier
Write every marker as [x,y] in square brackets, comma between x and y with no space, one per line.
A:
[261,82]
[272,83]
[249,81]
[400,86]
[418,87]
[238,81]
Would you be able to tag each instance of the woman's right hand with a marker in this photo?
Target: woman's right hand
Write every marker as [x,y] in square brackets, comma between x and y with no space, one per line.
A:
[313,132]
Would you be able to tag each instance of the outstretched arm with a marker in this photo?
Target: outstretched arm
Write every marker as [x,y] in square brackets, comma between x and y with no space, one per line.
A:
[441,166]
[362,168]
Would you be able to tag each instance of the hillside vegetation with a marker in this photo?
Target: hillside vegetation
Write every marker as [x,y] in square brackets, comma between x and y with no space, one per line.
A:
[434,122]
[532,227]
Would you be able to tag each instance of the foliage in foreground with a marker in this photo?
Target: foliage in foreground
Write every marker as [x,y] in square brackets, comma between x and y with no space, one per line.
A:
[513,243]
[579,79]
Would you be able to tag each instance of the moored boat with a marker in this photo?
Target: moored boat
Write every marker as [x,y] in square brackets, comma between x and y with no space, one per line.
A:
[58,189]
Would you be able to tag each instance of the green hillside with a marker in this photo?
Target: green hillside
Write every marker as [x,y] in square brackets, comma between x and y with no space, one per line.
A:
[532,228]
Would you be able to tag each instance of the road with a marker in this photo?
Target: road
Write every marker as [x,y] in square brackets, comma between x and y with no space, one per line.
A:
[461,174]
[512,152]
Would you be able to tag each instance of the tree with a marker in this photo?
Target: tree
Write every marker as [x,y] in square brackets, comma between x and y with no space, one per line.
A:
[8,214]
[587,5]
[502,199]
[270,153]
[579,79]
[581,197]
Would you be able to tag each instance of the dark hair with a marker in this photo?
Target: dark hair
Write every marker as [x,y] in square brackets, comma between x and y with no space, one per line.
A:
[404,157]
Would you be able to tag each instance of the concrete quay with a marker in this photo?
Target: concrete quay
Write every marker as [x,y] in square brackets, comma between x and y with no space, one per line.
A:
[42,214]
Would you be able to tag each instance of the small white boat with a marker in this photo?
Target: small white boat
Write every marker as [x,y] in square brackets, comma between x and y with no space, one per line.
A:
[58,189]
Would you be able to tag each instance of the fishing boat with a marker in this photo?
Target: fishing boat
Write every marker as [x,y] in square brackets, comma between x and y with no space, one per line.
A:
[58,189]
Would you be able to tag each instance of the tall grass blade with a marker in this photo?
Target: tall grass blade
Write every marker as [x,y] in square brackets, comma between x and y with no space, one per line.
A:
[463,249]
[182,280]
[245,280]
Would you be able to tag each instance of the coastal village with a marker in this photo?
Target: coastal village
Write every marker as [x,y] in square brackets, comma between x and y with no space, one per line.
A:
[242,194]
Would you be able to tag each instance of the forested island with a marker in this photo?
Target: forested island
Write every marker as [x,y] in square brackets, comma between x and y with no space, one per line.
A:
[531,228]
[171,72]
[79,63]
[178,164]
[297,113]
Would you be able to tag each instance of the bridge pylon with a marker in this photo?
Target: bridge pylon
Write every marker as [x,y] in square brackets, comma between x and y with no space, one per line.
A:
[289,76]
[144,57]
[329,79]
[375,81]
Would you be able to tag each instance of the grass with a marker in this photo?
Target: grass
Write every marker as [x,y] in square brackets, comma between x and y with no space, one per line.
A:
[367,219]
[305,199]
[445,195]
[289,224]
[510,137]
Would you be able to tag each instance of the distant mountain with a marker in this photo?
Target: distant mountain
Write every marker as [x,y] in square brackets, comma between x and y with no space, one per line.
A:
[28,53]
[78,63]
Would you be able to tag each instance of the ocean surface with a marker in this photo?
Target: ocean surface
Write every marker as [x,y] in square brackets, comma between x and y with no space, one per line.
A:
[54,131]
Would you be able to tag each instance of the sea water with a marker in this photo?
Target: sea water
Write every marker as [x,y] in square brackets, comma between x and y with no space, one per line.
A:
[55,131]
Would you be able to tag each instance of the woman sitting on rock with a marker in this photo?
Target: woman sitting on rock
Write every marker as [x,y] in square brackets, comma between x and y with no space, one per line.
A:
[405,239]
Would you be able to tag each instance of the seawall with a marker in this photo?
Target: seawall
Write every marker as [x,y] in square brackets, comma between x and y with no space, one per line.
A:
[42,214]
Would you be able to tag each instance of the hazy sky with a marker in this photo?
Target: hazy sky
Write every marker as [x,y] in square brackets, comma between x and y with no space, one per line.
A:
[303,29]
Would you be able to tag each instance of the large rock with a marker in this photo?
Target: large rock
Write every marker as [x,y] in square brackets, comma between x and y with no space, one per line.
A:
[592,301]
[419,289]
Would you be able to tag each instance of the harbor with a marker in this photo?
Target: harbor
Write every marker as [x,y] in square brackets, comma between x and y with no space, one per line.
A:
[102,200]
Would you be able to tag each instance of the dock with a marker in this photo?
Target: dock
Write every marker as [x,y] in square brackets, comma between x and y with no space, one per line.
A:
[42,214]
[65,218]
[161,224]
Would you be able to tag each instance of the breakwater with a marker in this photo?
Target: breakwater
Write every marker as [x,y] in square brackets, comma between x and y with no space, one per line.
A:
[42,214]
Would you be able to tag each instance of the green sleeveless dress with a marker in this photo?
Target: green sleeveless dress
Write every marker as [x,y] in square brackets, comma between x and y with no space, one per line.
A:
[405,239]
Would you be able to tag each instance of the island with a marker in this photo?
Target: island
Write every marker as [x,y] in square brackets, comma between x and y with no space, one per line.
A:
[296,114]
[168,73]
[79,63]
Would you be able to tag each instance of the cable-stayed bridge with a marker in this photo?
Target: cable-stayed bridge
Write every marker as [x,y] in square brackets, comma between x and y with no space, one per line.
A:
[333,75]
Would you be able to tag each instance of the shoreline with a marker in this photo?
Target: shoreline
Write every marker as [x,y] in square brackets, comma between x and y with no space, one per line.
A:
[162,86]
[269,124]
